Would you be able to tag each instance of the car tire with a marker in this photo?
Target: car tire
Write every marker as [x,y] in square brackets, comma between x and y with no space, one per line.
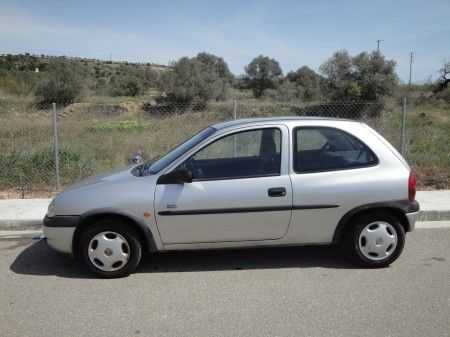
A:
[375,239]
[110,248]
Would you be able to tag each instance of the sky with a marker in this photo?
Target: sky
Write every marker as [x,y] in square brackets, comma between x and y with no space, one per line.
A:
[295,33]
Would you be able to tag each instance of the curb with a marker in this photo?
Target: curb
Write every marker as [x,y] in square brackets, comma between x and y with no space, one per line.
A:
[434,216]
[21,225]
[36,224]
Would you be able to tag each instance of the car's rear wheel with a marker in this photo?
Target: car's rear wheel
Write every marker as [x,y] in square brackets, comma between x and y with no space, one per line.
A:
[375,239]
[110,249]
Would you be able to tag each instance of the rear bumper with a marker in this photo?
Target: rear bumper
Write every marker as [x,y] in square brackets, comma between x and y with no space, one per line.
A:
[412,218]
[412,213]
[59,231]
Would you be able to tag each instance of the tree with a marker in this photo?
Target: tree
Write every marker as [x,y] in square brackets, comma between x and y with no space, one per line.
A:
[366,76]
[64,84]
[303,76]
[338,74]
[444,79]
[216,64]
[189,82]
[374,75]
[263,73]
[309,82]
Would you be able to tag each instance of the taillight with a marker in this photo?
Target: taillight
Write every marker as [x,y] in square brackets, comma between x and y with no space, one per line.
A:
[411,187]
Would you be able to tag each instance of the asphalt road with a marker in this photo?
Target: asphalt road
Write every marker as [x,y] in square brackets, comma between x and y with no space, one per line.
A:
[276,292]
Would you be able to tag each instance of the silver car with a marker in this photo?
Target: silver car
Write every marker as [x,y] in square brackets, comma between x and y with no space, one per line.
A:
[244,183]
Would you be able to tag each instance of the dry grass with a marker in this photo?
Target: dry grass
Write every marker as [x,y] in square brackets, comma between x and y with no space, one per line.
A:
[89,143]
[93,142]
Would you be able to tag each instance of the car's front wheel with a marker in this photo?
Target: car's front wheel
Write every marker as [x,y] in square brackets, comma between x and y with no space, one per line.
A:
[375,239]
[110,249]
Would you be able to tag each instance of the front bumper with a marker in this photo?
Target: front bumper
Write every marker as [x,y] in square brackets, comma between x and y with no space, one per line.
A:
[59,231]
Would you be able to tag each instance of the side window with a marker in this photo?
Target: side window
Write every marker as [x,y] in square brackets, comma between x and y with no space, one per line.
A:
[323,149]
[251,153]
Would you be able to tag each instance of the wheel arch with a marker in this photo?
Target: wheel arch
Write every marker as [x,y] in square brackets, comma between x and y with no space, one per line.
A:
[131,219]
[397,208]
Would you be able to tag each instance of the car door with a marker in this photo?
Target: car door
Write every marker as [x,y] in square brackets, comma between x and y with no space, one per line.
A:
[333,172]
[241,190]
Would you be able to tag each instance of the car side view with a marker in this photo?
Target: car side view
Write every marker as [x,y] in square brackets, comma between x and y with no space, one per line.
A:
[244,183]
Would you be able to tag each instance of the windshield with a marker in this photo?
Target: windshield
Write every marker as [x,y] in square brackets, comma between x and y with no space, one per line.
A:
[153,166]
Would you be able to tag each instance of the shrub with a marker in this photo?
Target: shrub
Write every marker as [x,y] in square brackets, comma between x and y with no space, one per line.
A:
[444,95]
[353,91]
[168,105]
[63,86]
[286,92]
[129,86]
[18,83]
[35,168]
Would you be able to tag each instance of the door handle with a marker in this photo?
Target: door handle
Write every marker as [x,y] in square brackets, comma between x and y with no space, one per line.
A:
[276,192]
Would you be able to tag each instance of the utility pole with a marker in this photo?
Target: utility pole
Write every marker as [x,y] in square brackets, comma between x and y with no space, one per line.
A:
[378,46]
[410,65]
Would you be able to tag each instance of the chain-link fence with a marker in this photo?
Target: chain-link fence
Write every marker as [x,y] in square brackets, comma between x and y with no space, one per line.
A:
[97,137]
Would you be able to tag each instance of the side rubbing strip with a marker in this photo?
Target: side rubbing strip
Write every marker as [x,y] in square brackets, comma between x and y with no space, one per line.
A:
[314,206]
[243,210]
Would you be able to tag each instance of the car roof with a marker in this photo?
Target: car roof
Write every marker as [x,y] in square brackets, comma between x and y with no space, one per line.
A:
[269,120]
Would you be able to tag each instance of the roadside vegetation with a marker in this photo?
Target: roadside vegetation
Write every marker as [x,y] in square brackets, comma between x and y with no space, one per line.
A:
[108,110]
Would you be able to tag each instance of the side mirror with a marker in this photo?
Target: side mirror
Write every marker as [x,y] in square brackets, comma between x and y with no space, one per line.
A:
[182,176]
[178,176]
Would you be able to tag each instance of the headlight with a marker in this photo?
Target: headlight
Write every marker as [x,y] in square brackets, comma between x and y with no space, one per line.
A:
[51,209]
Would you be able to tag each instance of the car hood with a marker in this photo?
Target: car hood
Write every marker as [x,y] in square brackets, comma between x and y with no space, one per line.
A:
[116,189]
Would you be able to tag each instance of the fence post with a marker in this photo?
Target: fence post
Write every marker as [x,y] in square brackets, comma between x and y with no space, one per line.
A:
[234,109]
[55,145]
[402,131]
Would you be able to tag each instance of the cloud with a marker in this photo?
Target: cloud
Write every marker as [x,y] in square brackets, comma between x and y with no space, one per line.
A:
[21,31]
[20,24]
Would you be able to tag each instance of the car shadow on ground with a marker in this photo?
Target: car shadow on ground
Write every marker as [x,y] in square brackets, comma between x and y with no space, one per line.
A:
[39,259]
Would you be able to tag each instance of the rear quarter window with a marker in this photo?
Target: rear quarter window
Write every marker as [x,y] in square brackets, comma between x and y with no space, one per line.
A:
[318,149]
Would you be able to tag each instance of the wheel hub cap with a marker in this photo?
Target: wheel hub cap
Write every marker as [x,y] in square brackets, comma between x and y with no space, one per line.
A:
[377,240]
[109,251]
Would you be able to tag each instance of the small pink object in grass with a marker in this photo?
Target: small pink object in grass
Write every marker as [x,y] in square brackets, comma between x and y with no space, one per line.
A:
[138,157]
